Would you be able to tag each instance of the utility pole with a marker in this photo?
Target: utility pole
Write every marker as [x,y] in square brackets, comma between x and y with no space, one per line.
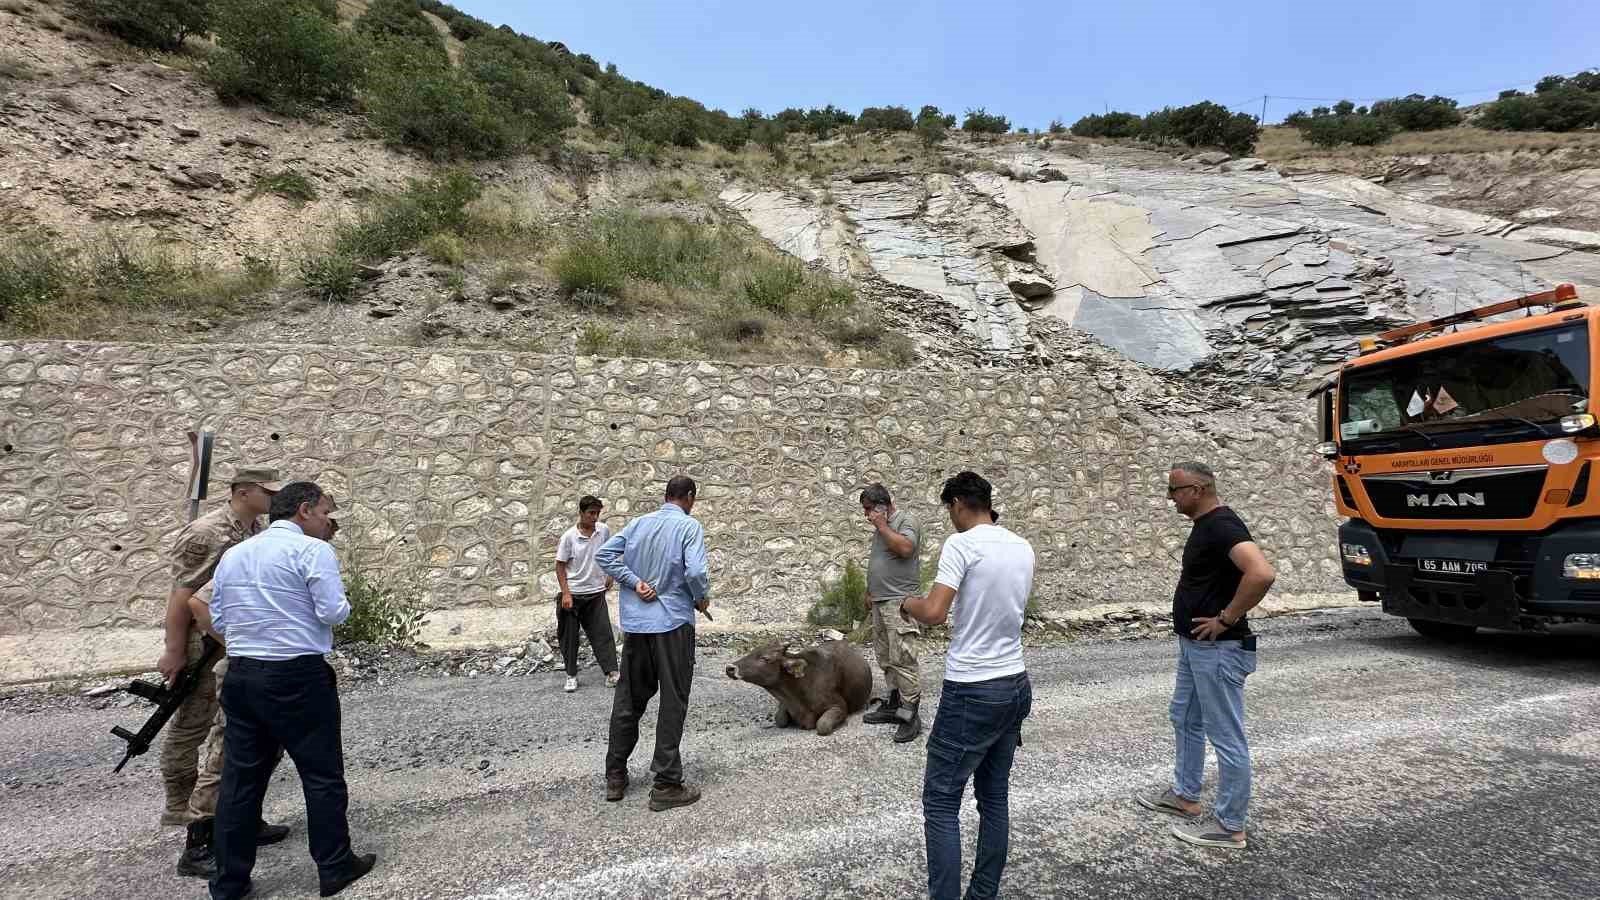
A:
[1263,121]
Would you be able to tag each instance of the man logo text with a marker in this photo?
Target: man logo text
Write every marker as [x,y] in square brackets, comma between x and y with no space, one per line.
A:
[1462,499]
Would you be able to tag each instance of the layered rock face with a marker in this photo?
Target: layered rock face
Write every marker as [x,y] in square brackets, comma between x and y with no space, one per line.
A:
[1180,265]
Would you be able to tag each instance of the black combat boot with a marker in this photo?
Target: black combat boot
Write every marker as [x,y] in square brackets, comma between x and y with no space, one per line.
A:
[883,711]
[910,722]
[197,861]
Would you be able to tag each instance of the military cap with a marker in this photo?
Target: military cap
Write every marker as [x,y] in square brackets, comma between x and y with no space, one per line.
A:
[267,478]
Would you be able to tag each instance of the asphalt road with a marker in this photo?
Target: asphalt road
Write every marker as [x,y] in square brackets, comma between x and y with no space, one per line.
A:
[1386,766]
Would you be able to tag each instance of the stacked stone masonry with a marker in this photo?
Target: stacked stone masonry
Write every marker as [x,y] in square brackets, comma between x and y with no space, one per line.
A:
[464,467]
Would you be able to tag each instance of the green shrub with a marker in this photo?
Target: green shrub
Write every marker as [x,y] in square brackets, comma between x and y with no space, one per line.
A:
[383,610]
[330,276]
[672,123]
[1415,112]
[1111,125]
[931,131]
[593,340]
[774,285]
[394,223]
[982,121]
[288,184]
[1204,124]
[587,267]
[535,99]
[886,118]
[445,247]
[286,54]
[1562,107]
[403,19]
[931,113]
[416,100]
[1332,130]
[843,604]
[1056,127]
[161,24]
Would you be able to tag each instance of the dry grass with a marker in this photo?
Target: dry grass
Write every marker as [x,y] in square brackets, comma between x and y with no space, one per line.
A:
[1283,145]
[114,288]
[668,188]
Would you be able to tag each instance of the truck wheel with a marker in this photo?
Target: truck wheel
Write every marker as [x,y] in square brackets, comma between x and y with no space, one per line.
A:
[1442,631]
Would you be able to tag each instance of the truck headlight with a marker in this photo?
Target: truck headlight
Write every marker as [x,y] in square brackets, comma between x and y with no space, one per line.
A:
[1358,555]
[1583,566]
[1575,424]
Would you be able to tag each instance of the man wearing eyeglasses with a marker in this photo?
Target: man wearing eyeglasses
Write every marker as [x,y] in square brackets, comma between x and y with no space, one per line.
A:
[1224,576]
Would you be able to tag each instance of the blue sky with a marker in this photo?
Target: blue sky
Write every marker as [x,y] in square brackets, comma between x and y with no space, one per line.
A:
[1034,60]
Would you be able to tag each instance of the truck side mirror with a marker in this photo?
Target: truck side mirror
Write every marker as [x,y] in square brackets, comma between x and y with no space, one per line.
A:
[1326,446]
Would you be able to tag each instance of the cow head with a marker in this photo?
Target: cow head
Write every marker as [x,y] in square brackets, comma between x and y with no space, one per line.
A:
[768,665]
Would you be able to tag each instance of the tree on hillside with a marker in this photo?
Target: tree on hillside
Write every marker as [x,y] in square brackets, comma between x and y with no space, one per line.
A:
[1415,112]
[161,24]
[402,20]
[535,97]
[1111,125]
[886,118]
[981,121]
[931,112]
[285,54]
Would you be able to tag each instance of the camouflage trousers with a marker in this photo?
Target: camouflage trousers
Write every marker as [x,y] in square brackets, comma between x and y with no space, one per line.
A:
[895,641]
[191,756]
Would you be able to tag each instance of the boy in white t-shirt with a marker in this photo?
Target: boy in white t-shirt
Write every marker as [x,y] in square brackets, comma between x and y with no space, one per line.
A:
[582,602]
[985,577]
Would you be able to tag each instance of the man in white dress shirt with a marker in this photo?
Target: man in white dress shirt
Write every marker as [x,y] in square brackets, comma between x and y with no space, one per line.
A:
[275,600]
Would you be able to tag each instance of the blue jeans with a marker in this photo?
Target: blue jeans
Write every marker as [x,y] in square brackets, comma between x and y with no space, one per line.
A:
[1208,702]
[975,735]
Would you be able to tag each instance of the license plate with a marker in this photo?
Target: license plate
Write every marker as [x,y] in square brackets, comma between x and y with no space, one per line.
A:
[1452,566]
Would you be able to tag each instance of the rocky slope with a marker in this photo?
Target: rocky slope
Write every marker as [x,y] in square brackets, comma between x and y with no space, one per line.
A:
[1014,253]
[1181,264]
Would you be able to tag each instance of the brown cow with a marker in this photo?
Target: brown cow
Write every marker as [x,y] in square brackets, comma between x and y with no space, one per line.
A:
[816,687]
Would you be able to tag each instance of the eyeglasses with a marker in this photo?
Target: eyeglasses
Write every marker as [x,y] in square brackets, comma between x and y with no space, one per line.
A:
[1174,488]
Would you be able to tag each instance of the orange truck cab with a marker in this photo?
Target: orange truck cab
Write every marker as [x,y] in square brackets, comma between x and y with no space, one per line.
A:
[1466,464]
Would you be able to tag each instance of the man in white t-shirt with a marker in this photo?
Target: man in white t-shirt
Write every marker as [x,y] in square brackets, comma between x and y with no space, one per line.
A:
[582,602]
[985,577]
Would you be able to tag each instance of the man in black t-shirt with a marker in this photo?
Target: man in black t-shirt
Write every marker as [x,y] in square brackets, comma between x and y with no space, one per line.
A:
[1224,576]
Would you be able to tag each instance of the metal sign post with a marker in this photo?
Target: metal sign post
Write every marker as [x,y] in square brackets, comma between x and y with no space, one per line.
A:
[200,444]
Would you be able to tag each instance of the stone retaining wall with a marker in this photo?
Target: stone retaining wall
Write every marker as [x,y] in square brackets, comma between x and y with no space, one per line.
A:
[463,467]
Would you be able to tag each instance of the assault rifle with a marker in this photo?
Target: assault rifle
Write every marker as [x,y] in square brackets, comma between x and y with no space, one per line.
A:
[166,699]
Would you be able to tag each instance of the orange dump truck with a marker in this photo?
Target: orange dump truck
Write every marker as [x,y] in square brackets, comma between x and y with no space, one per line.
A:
[1464,458]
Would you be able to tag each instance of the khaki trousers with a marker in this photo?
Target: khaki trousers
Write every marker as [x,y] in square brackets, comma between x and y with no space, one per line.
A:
[895,642]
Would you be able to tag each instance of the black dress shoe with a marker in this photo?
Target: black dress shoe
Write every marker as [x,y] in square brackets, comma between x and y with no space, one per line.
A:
[359,866]
[270,834]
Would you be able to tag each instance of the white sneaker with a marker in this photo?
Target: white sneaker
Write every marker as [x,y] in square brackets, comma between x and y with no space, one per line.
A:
[613,678]
[572,685]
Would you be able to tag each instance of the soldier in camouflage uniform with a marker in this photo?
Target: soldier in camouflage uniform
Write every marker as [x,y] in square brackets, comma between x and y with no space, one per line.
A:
[191,757]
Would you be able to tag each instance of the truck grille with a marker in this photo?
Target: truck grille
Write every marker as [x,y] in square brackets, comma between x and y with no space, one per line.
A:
[1508,492]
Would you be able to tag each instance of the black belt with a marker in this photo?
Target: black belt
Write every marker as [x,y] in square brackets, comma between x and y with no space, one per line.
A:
[246,663]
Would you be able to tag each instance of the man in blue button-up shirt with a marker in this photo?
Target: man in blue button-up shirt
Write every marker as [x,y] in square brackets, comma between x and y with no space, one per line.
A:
[275,599]
[659,559]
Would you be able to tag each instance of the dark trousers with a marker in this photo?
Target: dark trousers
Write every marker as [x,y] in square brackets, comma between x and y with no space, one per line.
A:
[975,735]
[291,704]
[590,614]
[652,662]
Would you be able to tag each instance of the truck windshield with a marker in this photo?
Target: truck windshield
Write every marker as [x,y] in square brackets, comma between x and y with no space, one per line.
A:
[1532,378]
